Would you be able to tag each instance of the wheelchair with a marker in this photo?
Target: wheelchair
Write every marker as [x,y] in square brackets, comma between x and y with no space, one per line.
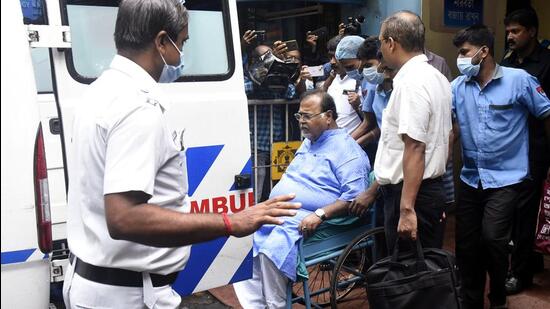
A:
[336,265]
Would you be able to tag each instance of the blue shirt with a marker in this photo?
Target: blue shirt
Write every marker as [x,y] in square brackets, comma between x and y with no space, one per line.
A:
[378,104]
[367,94]
[333,168]
[493,125]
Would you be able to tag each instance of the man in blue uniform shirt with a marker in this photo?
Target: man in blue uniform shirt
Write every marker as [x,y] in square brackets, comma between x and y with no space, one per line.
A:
[491,104]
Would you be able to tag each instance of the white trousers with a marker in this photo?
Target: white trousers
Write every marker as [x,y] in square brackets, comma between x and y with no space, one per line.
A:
[266,289]
[79,293]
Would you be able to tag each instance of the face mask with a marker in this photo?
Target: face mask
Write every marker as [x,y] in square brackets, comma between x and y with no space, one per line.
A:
[354,74]
[466,67]
[171,73]
[372,75]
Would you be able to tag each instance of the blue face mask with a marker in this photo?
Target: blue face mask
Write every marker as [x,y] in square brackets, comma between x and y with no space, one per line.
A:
[354,74]
[171,73]
[466,67]
[372,75]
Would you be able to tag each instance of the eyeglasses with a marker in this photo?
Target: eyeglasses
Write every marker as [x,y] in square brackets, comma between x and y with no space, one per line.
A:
[305,116]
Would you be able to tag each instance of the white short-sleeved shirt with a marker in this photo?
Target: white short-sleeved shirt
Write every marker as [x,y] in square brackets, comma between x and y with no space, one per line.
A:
[348,118]
[419,106]
[121,142]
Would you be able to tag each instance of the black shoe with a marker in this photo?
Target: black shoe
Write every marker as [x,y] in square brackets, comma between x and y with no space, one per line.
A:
[515,285]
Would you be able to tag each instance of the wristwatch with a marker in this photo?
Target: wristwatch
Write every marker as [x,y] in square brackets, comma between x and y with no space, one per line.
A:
[321,214]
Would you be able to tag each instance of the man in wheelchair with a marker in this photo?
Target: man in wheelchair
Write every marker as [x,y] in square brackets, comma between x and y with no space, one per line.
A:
[329,170]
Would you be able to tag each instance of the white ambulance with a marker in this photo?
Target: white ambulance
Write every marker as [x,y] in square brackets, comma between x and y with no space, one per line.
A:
[51,51]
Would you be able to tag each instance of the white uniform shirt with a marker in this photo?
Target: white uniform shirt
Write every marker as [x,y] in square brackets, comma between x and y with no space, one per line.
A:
[419,106]
[348,118]
[121,142]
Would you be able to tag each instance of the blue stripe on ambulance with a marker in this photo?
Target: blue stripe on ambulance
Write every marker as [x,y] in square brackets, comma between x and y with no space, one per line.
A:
[202,255]
[245,270]
[18,256]
[199,161]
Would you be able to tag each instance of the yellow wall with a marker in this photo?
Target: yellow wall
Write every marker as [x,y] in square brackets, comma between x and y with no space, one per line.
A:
[440,41]
[543,12]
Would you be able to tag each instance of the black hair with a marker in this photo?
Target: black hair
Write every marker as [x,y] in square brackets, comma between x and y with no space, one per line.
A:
[478,35]
[525,17]
[407,29]
[333,43]
[139,21]
[327,102]
[369,49]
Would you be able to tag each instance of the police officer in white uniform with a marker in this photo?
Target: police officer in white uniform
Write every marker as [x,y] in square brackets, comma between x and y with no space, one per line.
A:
[126,228]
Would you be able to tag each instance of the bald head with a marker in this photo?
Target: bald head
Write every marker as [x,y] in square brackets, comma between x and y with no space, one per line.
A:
[260,50]
[407,29]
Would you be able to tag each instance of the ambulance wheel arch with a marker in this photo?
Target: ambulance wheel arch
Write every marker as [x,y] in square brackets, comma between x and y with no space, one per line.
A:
[208,113]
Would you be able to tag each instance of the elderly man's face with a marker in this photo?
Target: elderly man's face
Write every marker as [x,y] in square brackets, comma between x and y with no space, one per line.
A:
[313,122]
[387,47]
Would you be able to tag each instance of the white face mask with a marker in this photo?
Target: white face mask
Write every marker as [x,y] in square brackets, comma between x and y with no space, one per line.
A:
[372,75]
[466,67]
[171,73]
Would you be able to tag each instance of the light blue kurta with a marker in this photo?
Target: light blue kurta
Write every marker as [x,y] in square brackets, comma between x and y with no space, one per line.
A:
[334,167]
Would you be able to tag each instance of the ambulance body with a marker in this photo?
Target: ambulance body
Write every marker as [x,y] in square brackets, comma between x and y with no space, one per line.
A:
[51,51]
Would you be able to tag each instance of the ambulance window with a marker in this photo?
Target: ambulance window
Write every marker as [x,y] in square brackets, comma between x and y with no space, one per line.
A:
[208,52]
[33,12]
[42,69]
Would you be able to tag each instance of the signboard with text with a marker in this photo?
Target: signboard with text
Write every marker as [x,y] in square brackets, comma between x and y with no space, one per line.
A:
[462,13]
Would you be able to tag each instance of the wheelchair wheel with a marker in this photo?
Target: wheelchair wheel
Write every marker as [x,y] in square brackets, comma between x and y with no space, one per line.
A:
[319,278]
[352,264]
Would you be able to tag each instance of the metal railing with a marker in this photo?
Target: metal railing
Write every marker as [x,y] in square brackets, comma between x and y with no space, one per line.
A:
[288,129]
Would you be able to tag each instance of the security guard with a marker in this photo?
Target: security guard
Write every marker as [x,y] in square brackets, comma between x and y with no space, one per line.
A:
[491,104]
[528,54]
[126,227]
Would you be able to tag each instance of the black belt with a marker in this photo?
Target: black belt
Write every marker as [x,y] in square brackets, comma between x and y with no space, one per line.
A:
[399,186]
[117,276]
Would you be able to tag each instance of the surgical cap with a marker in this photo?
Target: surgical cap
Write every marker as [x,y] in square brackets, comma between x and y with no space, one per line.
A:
[348,47]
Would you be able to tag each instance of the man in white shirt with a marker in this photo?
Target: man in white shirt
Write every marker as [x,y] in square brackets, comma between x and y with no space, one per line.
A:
[413,146]
[344,90]
[126,227]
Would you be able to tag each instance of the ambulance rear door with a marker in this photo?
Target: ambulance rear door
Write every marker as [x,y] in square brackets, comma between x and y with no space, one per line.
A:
[208,105]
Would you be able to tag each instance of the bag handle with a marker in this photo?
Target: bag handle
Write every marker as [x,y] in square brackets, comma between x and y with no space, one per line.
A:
[418,253]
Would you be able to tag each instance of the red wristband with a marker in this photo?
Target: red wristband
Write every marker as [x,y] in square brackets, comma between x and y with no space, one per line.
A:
[227,223]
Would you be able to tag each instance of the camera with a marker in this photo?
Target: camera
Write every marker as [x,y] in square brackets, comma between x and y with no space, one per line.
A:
[353,27]
[273,73]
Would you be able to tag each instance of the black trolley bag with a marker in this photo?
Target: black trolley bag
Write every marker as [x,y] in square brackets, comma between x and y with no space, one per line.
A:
[417,279]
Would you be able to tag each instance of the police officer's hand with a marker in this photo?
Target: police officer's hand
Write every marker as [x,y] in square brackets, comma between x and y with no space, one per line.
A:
[362,203]
[309,224]
[354,99]
[251,219]
[407,227]
[279,49]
